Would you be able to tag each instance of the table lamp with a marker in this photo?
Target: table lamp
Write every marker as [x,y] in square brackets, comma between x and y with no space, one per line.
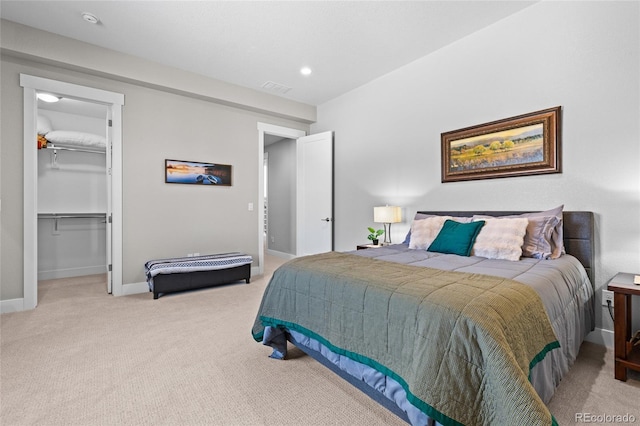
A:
[387,215]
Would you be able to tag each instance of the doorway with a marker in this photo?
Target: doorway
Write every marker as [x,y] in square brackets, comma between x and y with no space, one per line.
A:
[280,197]
[111,105]
[72,188]
[311,182]
[268,131]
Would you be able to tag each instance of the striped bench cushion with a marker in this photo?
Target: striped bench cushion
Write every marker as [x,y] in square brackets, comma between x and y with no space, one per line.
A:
[196,263]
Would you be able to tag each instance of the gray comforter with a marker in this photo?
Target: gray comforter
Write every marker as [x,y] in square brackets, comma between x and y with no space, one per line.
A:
[563,286]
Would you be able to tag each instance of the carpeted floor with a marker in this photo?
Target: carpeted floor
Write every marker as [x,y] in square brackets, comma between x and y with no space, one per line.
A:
[83,357]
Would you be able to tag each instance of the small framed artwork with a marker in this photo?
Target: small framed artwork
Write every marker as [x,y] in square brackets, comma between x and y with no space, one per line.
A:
[527,144]
[192,172]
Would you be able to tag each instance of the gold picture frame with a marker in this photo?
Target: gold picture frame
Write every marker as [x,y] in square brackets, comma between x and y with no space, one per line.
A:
[527,144]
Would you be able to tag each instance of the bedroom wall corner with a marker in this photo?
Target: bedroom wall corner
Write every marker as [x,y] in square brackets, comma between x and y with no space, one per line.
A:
[583,56]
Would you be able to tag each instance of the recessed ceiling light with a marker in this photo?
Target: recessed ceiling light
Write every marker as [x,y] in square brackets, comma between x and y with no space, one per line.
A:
[305,70]
[47,97]
[90,17]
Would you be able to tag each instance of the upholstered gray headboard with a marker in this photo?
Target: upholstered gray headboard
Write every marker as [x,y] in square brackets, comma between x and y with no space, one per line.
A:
[578,230]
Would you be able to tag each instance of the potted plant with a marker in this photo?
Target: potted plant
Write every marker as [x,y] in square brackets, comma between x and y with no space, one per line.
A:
[373,236]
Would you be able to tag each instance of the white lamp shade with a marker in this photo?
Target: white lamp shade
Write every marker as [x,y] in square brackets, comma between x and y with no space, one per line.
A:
[387,214]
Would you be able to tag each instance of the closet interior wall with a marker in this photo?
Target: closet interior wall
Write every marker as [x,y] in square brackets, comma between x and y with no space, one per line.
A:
[72,196]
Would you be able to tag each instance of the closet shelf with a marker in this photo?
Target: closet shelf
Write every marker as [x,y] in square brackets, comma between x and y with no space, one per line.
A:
[65,148]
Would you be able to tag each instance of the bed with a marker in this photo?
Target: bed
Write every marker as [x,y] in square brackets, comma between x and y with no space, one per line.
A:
[441,338]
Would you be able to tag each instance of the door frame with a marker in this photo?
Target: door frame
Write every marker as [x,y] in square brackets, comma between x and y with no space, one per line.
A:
[114,102]
[269,129]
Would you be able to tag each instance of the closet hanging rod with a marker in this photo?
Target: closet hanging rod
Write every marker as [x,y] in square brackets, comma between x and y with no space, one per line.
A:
[64,148]
[72,215]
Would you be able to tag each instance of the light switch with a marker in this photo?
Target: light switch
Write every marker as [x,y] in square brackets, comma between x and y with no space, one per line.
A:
[250,207]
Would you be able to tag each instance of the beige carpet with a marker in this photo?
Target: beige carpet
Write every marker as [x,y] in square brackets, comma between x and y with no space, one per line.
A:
[83,357]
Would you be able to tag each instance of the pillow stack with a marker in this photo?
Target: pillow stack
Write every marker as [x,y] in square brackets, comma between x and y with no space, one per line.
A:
[537,235]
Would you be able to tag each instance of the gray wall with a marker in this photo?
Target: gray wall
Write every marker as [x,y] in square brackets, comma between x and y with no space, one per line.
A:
[160,220]
[583,56]
[281,236]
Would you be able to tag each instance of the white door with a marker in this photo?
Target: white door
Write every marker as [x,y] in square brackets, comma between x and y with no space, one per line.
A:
[314,192]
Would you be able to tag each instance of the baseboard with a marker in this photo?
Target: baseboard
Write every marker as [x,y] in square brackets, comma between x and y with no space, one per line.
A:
[11,305]
[281,254]
[71,272]
[601,336]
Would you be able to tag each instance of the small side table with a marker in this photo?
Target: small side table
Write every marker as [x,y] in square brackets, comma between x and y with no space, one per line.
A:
[626,355]
[367,246]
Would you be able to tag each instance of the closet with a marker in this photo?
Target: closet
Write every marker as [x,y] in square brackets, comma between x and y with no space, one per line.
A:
[71,188]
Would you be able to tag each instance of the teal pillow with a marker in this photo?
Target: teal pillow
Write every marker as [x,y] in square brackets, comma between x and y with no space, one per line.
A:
[456,238]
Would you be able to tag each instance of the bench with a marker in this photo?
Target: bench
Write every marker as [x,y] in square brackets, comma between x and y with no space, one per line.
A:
[189,273]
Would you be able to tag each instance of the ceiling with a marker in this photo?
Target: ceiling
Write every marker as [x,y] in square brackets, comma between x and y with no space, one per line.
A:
[249,43]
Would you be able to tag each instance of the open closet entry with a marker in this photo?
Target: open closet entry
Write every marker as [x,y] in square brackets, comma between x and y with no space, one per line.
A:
[72,188]
[72,184]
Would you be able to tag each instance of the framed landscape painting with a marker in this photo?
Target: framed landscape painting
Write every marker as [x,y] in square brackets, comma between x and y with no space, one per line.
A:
[192,172]
[527,144]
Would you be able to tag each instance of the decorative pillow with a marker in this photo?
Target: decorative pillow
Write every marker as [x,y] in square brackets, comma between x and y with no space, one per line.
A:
[538,241]
[422,216]
[456,238]
[43,125]
[544,237]
[501,239]
[557,235]
[424,231]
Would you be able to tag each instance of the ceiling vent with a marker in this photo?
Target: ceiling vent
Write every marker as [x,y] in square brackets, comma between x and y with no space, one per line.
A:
[276,87]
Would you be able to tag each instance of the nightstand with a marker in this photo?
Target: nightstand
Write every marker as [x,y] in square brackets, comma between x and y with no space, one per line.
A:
[367,246]
[626,355]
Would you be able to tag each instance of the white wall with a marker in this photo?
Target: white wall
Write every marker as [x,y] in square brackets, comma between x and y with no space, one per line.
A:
[71,121]
[583,56]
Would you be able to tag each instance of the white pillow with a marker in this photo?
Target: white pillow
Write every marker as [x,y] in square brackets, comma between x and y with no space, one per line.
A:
[421,216]
[72,138]
[44,125]
[501,239]
[545,237]
[424,231]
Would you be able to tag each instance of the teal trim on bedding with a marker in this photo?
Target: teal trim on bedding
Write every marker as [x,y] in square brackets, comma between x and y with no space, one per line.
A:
[543,353]
[417,402]
[423,406]
[258,336]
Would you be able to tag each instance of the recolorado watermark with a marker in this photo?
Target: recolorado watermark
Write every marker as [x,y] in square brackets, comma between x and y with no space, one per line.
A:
[605,418]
